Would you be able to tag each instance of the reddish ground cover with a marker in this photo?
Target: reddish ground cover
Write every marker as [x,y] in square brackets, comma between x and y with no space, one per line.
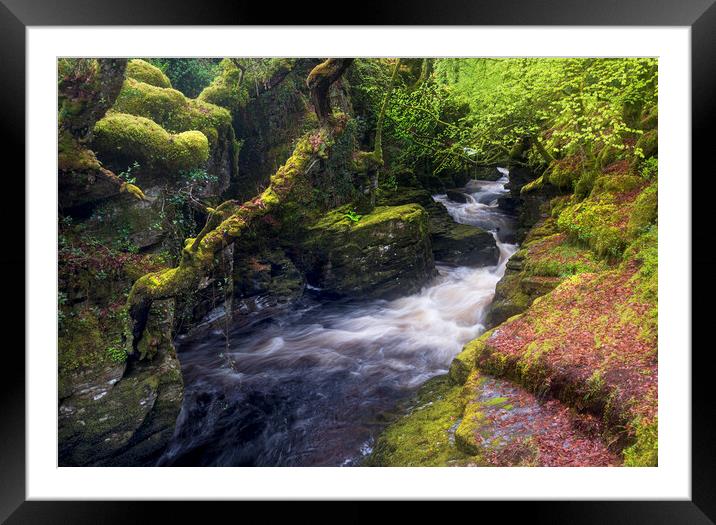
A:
[584,343]
[518,429]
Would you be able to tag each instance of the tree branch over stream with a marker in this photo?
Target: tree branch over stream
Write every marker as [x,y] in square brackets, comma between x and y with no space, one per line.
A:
[231,219]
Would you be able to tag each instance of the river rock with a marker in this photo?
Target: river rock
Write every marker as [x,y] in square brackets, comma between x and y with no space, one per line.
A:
[451,242]
[456,196]
[384,254]
[466,245]
[487,173]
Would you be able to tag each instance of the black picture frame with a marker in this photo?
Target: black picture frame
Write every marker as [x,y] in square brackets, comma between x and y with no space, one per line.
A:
[16,15]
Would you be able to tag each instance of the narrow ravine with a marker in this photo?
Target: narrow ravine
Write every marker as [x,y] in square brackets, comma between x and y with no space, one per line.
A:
[314,386]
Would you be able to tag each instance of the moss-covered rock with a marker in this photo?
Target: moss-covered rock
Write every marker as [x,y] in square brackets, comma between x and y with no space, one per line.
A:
[425,436]
[545,259]
[226,90]
[384,254]
[126,139]
[465,361]
[171,109]
[176,113]
[143,71]
[564,173]
[124,416]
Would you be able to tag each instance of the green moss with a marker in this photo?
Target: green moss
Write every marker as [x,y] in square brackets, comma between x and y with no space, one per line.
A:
[560,259]
[644,250]
[464,362]
[533,186]
[225,90]
[74,157]
[648,144]
[616,183]
[422,438]
[80,342]
[130,137]
[608,155]
[337,221]
[143,71]
[584,185]
[564,173]
[645,452]
[644,211]
[592,222]
[172,110]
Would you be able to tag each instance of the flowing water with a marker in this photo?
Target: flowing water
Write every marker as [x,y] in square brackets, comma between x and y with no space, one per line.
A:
[313,386]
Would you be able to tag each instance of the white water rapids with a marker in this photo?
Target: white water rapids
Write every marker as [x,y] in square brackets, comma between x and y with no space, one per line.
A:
[314,386]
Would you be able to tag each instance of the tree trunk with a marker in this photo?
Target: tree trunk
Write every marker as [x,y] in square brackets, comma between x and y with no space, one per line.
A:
[319,82]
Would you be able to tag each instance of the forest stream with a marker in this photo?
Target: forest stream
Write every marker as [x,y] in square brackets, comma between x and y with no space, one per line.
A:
[314,386]
[350,213]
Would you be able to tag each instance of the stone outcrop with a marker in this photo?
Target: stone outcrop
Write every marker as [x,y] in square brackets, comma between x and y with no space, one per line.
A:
[384,254]
[452,243]
[122,413]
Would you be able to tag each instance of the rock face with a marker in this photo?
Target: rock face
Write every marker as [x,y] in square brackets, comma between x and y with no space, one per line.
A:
[451,242]
[128,416]
[384,254]
[265,278]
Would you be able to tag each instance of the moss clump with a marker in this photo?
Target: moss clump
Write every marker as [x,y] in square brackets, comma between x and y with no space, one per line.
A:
[584,185]
[644,250]
[555,256]
[423,437]
[645,452]
[143,71]
[617,183]
[172,110]
[648,144]
[226,90]
[644,211]
[592,222]
[464,362]
[565,172]
[533,186]
[74,157]
[608,155]
[133,138]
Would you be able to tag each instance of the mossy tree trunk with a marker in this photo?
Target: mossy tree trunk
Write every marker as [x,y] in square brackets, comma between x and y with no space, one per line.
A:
[319,82]
[369,163]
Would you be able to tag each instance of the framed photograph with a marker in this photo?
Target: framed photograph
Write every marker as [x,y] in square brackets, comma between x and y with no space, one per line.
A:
[439,254]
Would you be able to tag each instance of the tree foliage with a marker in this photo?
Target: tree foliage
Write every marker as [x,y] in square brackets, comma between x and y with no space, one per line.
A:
[487,110]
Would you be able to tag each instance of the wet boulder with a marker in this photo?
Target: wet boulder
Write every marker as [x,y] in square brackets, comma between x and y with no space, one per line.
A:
[384,254]
[467,245]
[457,196]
